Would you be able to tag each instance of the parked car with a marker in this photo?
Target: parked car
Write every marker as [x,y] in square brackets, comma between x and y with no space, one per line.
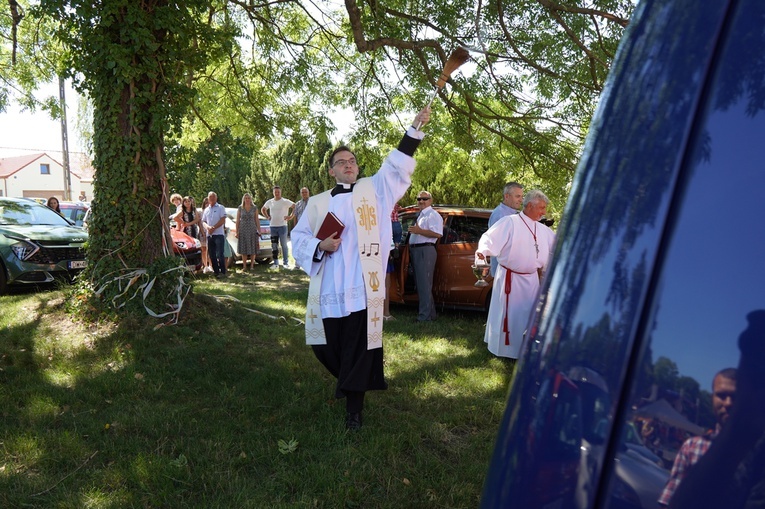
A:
[650,271]
[184,246]
[265,255]
[74,211]
[37,245]
[453,280]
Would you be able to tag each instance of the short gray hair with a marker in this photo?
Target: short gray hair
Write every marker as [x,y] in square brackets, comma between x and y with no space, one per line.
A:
[535,195]
[510,186]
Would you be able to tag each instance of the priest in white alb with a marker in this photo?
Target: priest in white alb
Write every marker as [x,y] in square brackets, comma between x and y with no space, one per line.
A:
[344,312]
[522,246]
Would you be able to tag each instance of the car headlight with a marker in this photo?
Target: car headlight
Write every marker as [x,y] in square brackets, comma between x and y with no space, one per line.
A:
[197,244]
[23,249]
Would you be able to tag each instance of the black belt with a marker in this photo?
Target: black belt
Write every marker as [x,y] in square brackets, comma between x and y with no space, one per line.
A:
[423,244]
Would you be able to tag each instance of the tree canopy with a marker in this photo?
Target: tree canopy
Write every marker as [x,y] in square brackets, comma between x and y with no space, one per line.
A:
[519,110]
[238,94]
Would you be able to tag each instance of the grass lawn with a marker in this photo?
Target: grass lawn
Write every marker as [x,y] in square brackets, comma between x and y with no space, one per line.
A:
[230,409]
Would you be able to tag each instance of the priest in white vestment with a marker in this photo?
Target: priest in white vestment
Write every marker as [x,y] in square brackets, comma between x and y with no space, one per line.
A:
[522,246]
[344,312]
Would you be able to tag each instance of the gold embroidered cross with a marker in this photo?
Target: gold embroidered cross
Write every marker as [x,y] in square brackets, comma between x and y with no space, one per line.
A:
[312,316]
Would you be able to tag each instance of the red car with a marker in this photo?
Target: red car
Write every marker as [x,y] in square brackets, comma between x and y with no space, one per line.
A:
[187,247]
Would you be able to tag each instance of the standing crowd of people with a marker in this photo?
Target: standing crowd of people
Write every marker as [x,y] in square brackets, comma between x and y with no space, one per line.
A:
[208,225]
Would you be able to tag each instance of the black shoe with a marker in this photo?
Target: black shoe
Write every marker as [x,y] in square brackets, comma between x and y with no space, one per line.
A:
[353,421]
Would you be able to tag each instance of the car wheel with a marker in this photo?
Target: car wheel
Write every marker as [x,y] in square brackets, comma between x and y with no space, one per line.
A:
[263,261]
[487,305]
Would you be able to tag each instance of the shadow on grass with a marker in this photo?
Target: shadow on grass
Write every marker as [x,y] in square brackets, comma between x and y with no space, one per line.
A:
[192,415]
[133,410]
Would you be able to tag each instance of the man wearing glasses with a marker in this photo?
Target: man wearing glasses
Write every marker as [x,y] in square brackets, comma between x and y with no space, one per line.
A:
[423,235]
[344,311]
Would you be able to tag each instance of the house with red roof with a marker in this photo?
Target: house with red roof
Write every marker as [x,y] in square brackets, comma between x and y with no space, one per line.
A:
[41,176]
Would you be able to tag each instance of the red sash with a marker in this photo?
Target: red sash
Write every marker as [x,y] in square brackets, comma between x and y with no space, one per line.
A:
[508,287]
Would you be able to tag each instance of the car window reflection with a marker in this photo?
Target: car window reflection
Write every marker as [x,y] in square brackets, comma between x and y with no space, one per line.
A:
[14,213]
[464,229]
[709,289]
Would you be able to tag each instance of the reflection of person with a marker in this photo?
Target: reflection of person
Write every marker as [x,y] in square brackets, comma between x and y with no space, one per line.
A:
[214,219]
[522,246]
[723,392]
[512,201]
[278,210]
[648,432]
[346,293]
[423,235]
[732,472]
[247,231]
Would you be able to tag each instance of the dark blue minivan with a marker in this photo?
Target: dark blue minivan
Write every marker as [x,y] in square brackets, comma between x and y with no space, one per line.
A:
[657,284]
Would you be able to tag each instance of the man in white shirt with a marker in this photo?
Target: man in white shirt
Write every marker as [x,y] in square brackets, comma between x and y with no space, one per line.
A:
[347,290]
[423,235]
[213,221]
[278,210]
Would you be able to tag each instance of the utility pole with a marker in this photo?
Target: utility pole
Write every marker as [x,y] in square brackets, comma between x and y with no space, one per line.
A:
[64,141]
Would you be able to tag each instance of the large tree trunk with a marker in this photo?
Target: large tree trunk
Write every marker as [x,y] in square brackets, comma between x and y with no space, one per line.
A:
[130,210]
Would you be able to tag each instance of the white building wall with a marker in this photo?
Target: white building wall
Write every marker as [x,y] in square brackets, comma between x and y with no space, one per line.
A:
[85,185]
[29,182]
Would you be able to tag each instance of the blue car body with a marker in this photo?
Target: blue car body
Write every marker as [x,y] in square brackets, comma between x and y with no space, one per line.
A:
[659,262]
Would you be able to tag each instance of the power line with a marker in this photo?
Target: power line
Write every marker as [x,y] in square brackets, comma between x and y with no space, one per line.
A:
[42,150]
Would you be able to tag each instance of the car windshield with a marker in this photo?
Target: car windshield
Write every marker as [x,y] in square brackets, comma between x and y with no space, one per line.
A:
[19,213]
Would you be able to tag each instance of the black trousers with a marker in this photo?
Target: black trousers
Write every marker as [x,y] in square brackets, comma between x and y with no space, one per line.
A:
[346,356]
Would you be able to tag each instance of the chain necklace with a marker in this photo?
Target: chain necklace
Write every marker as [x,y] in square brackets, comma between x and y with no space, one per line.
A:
[533,233]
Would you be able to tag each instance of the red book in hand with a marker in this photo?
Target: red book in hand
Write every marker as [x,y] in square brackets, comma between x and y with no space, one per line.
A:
[330,225]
